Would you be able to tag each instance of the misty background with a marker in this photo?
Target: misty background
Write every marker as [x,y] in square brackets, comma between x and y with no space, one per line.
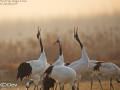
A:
[98,25]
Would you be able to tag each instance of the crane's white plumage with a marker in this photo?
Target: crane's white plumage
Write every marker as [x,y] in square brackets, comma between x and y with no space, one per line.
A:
[39,66]
[59,61]
[107,69]
[62,74]
[81,65]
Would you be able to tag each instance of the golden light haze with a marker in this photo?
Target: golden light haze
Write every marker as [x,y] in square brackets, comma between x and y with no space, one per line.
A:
[98,23]
[58,8]
[25,17]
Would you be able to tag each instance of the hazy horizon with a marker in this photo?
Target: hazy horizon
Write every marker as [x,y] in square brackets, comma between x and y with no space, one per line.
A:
[21,29]
[22,20]
[98,23]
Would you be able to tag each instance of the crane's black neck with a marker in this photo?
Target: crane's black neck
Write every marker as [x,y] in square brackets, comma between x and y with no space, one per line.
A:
[41,45]
[60,48]
[79,42]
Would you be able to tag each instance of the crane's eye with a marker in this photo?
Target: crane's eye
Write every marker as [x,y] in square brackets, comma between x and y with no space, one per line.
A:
[38,35]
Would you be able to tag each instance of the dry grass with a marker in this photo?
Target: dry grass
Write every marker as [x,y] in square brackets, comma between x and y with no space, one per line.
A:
[83,86]
[100,44]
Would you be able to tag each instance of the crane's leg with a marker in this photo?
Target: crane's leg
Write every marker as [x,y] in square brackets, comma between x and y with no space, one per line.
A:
[36,80]
[61,86]
[41,88]
[28,84]
[52,88]
[74,88]
[91,83]
[35,87]
[78,86]
[78,79]
[99,82]
[27,88]
[41,85]
[111,85]
[56,86]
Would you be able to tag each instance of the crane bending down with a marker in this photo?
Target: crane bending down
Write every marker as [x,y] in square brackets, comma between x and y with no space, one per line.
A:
[81,65]
[63,74]
[107,69]
[33,69]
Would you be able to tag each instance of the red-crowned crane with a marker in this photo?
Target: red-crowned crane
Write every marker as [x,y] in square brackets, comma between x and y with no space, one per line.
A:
[81,65]
[49,82]
[33,69]
[60,60]
[59,72]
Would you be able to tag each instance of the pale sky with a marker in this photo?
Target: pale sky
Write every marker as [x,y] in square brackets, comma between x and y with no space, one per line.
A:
[58,8]
[17,20]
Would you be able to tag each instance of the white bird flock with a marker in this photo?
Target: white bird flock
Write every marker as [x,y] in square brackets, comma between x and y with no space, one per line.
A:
[41,71]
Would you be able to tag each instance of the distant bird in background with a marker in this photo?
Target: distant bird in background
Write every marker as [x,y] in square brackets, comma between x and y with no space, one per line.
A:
[81,65]
[33,69]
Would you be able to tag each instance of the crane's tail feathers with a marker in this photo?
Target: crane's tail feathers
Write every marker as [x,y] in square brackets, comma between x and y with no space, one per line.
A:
[97,66]
[48,82]
[66,64]
[117,80]
[24,70]
[49,70]
[74,88]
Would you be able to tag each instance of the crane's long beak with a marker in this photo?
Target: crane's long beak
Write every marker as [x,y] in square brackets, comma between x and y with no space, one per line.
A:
[55,42]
